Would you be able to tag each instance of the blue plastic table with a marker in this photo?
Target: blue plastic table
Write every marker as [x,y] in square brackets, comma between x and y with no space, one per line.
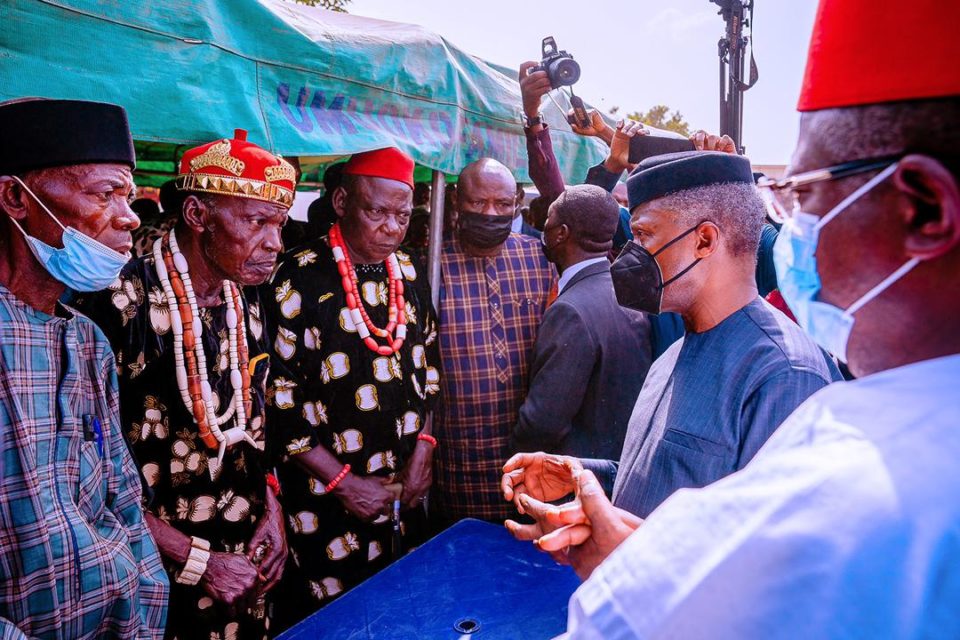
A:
[474,575]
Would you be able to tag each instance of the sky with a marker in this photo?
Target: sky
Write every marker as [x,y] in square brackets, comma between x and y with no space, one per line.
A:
[637,54]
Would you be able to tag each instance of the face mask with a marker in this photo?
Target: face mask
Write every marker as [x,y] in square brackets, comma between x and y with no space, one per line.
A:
[794,255]
[637,278]
[483,231]
[546,248]
[83,264]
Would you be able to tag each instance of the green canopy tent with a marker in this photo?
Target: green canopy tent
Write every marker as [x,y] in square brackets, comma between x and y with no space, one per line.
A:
[303,81]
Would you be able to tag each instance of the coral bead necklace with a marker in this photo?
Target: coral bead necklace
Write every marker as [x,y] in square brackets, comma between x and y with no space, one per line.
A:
[396,330]
[189,356]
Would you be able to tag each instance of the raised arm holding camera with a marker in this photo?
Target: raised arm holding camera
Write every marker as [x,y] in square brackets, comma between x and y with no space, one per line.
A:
[543,169]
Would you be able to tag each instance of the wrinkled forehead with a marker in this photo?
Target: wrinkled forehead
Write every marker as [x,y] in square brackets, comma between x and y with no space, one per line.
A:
[87,176]
[254,207]
[373,190]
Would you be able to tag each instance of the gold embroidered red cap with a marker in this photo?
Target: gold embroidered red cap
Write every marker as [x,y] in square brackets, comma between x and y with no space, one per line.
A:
[237,168]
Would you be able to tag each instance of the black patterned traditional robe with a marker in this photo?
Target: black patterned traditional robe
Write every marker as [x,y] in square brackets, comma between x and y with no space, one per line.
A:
[164,439]
[328,389]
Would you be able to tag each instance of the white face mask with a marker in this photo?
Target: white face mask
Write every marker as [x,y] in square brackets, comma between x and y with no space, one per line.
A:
[795,257]
[83,264]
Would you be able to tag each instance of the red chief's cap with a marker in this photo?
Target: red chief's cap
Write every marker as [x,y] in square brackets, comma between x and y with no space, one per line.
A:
[867,52]
[390,163]
[237,168]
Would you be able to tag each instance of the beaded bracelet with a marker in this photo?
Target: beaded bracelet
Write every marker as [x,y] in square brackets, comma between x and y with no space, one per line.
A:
[196,564]
[426,437]
[340,476]
[274,484]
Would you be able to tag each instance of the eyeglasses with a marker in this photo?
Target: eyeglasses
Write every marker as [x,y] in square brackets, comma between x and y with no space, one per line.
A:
[782,199]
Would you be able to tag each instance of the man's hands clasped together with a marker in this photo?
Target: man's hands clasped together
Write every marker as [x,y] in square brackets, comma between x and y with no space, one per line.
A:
[582,532]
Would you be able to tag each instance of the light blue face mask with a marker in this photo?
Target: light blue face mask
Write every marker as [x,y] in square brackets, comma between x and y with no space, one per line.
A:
[83,264]
[795,257]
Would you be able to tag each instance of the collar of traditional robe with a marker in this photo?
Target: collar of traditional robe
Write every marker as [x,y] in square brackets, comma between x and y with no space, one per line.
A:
[190,359]
[237,168]
[396,330]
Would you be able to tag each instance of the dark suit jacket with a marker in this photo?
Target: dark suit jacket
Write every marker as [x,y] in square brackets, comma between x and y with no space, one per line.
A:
[589,362]
[527,230]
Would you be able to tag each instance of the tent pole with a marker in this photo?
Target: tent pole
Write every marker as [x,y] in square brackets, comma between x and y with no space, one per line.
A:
[437,192]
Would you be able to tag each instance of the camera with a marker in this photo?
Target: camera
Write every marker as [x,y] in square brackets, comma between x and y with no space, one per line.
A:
[561,68]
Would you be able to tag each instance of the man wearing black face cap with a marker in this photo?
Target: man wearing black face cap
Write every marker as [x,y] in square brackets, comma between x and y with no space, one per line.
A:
[493,294]
[714,397]
[76,556]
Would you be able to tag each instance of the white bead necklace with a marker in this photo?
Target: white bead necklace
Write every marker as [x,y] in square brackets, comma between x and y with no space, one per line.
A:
[237,331]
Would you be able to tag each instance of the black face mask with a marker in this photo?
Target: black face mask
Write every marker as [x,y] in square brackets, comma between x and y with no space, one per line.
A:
[483,231]
[637,278]
[548,251]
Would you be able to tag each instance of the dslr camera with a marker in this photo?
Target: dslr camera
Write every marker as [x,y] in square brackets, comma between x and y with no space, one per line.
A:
[561,68]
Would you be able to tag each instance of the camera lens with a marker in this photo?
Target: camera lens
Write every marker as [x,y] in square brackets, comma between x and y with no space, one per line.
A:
[564,72]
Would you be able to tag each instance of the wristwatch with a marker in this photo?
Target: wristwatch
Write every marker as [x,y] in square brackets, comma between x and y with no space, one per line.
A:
[529,122]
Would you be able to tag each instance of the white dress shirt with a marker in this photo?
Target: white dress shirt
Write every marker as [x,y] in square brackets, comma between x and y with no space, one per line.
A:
[573,270]
[846,524]
[517,225]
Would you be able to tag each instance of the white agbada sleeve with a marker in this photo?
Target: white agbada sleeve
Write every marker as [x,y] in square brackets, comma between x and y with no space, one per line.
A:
[830,532]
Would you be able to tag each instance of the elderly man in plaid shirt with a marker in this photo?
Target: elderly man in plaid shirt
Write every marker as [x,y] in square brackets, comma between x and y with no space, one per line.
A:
[493,294]
[76,557]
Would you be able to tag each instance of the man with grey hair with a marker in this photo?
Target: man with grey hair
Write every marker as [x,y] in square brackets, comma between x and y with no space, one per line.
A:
[76,556]
[845,524]
[591,355]
[714,397]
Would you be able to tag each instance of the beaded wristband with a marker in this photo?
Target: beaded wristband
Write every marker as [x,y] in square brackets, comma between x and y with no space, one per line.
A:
[426,437]
[340,476]
[196,564]
[273,483]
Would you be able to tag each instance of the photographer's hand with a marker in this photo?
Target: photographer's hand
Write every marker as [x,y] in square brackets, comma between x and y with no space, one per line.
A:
[618,160]
[533,86]
[597,127]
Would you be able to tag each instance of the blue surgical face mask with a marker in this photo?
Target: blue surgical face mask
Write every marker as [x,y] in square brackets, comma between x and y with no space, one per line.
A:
[83,264]
[795,257]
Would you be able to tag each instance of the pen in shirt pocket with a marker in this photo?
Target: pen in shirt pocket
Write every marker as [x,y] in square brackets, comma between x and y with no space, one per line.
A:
[93,431]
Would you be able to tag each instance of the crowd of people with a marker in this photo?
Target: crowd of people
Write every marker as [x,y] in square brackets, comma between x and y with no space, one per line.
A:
[213,425]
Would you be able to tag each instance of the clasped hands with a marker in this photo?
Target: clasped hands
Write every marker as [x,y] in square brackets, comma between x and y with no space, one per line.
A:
[369,497]
[581,532]
[239,580]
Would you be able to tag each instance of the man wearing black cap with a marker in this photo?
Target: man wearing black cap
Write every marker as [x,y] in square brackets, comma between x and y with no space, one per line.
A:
[845,524]
[76,557]
[714,397]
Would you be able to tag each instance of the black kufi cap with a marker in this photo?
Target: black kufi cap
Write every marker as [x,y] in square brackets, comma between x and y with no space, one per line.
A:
[38,134]
[659,176]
